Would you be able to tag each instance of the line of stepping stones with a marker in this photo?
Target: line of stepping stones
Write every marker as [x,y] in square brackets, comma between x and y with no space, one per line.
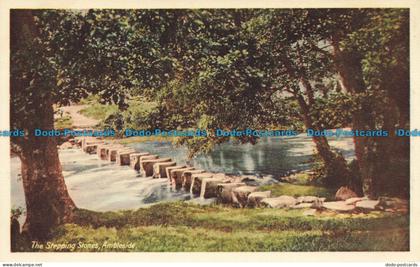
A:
[228,189]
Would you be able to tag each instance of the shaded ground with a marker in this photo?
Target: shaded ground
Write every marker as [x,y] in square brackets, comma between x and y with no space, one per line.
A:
[79,120]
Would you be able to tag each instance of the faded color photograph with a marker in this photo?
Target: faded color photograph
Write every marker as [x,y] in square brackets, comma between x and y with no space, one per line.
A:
[209,130]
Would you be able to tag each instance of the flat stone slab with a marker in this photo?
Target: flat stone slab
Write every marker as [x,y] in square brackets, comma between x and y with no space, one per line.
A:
[123,156]
[354,200]
[146,166]
[175,177]
[209,186]
[101,150]
[111,153]
[255,198]
[187,178]
[240,195]
[135,159]
[196,180]
[159,169]
[367,204]
[169,169]
[279,202]
[309,199]
[224,191]
[338,206]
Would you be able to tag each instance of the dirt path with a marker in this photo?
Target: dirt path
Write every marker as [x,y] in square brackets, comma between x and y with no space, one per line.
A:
[79,120]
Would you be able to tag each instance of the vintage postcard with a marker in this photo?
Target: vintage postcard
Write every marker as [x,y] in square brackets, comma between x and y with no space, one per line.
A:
[276,129]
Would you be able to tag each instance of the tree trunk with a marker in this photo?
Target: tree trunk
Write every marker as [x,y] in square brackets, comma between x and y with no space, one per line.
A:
[338,174]
[48,203]
[350,72]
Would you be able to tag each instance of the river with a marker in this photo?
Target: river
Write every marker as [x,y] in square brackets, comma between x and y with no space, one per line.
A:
[103,186]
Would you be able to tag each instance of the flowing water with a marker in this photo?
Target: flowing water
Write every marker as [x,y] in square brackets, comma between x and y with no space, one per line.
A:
[103,186]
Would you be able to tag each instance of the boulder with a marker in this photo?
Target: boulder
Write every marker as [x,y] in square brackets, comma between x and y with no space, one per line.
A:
[240,195]
[135,159]
[344,193]
[279,202]
[123,156]
[169,169]
[338,206]
[196,180]
[187,177]
[224,191]
[176,177]
[367,204]
[254,199]
[159,169]
[209,186]
[146,166]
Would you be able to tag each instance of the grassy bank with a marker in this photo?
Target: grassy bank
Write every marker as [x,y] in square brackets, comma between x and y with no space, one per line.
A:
[297,190]
[182,226]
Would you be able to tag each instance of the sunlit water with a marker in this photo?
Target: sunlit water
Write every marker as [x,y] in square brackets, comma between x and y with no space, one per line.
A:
[103,186]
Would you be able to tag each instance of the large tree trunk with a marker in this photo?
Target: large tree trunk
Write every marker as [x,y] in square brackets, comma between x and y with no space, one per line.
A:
[48,203]
[349,68]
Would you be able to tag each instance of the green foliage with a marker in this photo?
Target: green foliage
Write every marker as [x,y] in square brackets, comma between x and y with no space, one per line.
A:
[99,111]
[298,190]
[63,122]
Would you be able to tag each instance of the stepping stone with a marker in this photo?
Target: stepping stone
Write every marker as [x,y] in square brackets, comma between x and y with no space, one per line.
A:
[187,178]
[196,180]
[209,186]
[123,156]
[169,169]
[91,148]
[240,195]
[338,206]
[367,204]
[159,169]
[111,152]
[146,166]
[102,149]
[279,202]
[175,176]
[135,160]
[254,199]
[88,141]
[224,191]
[138,160]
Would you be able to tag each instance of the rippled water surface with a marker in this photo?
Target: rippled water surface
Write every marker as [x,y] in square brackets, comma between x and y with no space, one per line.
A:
[103,186]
